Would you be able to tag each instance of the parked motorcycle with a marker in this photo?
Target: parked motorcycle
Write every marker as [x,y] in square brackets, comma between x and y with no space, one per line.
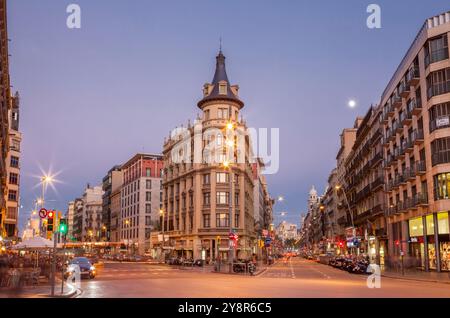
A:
[361,267]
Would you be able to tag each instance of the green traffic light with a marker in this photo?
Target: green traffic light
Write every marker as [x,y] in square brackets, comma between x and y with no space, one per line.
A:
[63,229]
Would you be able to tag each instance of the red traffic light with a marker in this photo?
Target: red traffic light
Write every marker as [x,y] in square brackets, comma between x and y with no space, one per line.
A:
[50,214]
[397,242]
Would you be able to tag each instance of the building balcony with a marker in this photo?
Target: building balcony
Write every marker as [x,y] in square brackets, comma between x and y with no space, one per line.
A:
[438,89]
[408,146]
[377,183]
[417,136]
[440,157]
[436,56]
[409,174]
[377,210]
[396,100]
[385,141]
[376,159]
[406,117]
[392,210]
[420,167]
[404,89]
[420,199]
[413,75]
[415,106]
[388,111]
[440,122]
[398,127]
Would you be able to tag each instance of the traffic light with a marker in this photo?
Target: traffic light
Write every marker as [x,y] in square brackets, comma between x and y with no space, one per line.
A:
[397,242]
[50,217]
[63,226]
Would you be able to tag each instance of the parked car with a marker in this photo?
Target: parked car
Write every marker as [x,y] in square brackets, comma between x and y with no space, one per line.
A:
[86,268]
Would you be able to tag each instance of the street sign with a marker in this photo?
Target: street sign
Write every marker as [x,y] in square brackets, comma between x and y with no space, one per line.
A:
[43,213]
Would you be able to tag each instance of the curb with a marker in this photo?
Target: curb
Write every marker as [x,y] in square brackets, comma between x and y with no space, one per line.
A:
[416,279]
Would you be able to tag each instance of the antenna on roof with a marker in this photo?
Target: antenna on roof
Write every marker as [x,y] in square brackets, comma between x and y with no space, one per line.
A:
[220,44]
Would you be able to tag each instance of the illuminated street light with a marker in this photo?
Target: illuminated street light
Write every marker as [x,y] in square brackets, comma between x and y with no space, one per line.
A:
[230,126]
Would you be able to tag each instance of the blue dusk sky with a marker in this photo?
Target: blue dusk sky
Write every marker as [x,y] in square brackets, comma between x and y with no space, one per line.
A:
[93,97]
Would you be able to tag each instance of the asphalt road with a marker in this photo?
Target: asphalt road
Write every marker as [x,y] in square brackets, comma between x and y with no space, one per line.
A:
[297,278]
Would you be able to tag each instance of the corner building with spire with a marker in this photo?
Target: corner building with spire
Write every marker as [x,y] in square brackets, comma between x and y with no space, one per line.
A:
[195,216]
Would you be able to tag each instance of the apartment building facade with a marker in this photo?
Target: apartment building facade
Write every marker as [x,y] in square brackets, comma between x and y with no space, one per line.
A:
[416,109]
[5,106]
[197,192]
[140,202]
[365,188]
[110,183]
[10,223]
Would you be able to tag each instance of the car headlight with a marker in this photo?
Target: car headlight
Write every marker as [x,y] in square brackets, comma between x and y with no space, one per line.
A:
[92,268]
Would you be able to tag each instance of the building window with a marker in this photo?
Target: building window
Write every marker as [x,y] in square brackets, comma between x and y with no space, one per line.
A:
[207,114]
[222,197]
[206,178]
[440,149]
[148,208]
[439,116]
[148,221]
[14,162]
[15,145]
[222,177]
[222,113]
[223,89]
[236,199]
[148,196]
[442,186]
[11,213]
[148,172]
[436,50]
[236,220]
[222,220]
[148,184]
[438,82]
[13,178]
[206,220]
[12,195]
[206,198]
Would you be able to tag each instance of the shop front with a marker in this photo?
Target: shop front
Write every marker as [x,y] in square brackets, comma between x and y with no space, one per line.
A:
[429,241]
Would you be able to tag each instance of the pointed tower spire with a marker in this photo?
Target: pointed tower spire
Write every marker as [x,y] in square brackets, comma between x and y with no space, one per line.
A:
[220,76]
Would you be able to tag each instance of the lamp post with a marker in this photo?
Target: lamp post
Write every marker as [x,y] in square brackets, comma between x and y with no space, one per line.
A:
[161,212]
[339,187]
[227,165]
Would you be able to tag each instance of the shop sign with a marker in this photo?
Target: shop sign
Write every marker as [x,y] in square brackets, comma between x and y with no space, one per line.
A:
[413,240]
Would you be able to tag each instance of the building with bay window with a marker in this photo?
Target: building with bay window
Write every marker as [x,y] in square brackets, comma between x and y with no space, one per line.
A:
[198,193]
[416,150]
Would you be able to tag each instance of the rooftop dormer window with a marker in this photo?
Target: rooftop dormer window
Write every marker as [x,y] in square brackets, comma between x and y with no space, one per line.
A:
[223,89]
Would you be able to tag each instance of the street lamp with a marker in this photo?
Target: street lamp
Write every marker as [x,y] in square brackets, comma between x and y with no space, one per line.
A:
[227,166]
[339,187]
[161,212]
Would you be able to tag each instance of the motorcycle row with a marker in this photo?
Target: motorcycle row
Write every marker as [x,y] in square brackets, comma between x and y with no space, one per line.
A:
[351,265]
[244,266]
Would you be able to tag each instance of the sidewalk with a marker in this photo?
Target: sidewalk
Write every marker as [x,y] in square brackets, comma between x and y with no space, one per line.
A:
[40,291]
[434,277]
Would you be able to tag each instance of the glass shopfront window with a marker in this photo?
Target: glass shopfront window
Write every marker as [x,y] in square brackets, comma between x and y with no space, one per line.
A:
[444,240]
[442,186]
[417,240]
[417,246]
